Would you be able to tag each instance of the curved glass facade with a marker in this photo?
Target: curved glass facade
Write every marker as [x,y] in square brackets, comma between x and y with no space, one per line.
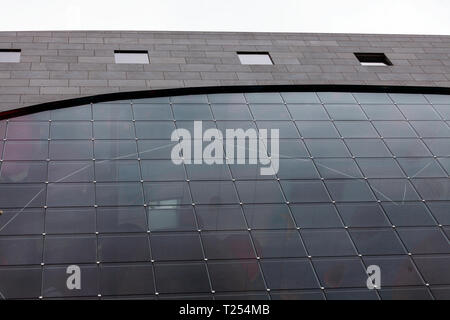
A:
[362,180]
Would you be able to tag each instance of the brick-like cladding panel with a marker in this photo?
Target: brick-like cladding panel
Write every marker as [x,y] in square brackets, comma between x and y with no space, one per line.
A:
[61,65]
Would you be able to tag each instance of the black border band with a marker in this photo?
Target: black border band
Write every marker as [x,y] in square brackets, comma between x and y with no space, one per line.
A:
[217,89]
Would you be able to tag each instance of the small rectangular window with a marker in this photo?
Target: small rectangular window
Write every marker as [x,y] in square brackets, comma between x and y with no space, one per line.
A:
[10,55]
[255,58]
[131,56]
[373,59]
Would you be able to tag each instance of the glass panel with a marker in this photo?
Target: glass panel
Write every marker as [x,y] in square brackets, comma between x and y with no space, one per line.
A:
[152,111]
[349,190]
[278,244]
[337,168]
[327,148]
[440,211]
[408,98]
[71,171]
[214,192]
[421,167]
[308,112]
[408,214]
[275,216]
[433,189]
[228,245]
[269,112]
[26,150]
[167,193]
[316,216]
[407,147]
[208,171]
[317,129]
[380,168]
[345,112]
[220,218]
[236,276]
[382,112]
[297,169]
[227,98]
[21,195]
[30,280]
[112,111]
[181,277]
[70,220]
[356,129]
[263,97]
[393,189]
[434,268]
[231,112]
[71,150]
[162,170]
[431,129]
[154,129]
[289,274]
[71,130]
[371,98]
[20,172]
[419,112]
[400,271]
[341,272]
[126,219]
[367,148]
[336,97]
[362,215]
[439,147]
[394,129]
[192,112]
[70,194]
[444,111]
[117,170]
[114,130]
[27,130]
[21,250]
[305,191]
[22,221]
[259,192]
[176,246]
[123,248]
[328,243]
[377,242]
[119,194]
[424,240]
[115,149]
[126,279]
[300,97]
[73,113]
[171,219]
[55,279]
[70,249]
[287,129]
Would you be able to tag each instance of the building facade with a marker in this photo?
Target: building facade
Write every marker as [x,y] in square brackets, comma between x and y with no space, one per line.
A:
[99,198]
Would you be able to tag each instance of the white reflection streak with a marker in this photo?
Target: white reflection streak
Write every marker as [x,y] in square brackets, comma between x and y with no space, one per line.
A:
[75,172]
[2,296]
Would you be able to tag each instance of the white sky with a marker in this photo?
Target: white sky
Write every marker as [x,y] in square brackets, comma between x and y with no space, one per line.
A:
[349,16]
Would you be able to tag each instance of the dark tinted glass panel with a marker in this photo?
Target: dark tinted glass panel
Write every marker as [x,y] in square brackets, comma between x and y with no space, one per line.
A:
[376,241]
[70,249]
[327,148]
[362,215]
[171,219]
[268,216]
[289,274]
[152,111]
[236,276]
[305,191]
[226,217]
[17,172]
[126,219]
[70,220]
[278,244]
[316,216]
[22,221]
[112,111]
[424,240]
[181,277]
[345,112]
[317,129]
[114,149]
[126,279]
[27,131]
[308,112]
[341,272]
[118,248]
[71,171]
[349,190]
[328,243]
[228,245]
[176,246]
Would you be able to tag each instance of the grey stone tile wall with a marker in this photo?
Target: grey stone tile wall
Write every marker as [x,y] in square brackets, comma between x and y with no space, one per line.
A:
[62,65]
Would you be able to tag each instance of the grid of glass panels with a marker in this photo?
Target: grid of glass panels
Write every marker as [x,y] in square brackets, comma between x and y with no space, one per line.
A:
[363,180]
